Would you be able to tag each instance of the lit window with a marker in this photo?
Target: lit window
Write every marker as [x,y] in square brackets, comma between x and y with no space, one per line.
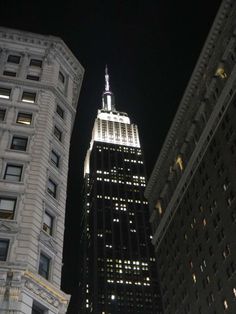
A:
[194,278]
[55,158]
[57,133]
[61,77]
[32,77]
[220,72]
[113,297]
[36,63]
[19,143]
[4,244]
[225,305]
[44,264]
[9,73]
[5,93]
[24,118]
[47,223]
[7,207]
[52,188]
[158,207]
[2,114]
[28,97]
[13,59]
[179,162]
[13,173]
[60,111]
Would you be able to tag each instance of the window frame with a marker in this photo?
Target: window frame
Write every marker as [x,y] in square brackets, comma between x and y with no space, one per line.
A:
[53,192]
[15,59]
[44,273]
[7,175]
[60,111]
[14,146]
[32,77]
[25,97]
[6,95]
[57,133]
[29,114]
[49,229]
[61,77]
[9,73]
[3,114]
[9,211]
[7,249]
[36,63]
[58,157]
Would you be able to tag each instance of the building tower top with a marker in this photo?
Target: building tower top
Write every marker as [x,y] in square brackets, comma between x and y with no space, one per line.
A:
[108,99]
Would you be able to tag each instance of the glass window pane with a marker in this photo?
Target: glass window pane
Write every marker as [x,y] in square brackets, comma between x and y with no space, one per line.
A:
[7,208]
[47,223]
[57,133]
[61,77]
[13,59]
[9,73]
[44,266]
[32,77]
[13,173]
[60,111]
[24,118]
[55,158]
[2,114]
[28,97]
[3,249]
[36,63]
[5,92]
[19,143]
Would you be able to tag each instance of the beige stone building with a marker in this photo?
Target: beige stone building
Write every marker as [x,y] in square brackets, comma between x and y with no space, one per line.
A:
[40,81]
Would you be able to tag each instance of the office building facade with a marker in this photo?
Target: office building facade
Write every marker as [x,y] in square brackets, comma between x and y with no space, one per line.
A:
[40,81]
[118,273]
[192,189]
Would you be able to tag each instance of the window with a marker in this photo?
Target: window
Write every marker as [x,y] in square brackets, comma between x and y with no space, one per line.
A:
[13,173]
[55,158]
[57,133]
[5,92]
[44,264]
[7,207]
[37,309]
[13,59]
[4,244]
[19,143]
[61,77]
[52,188]
[24,118]
[28,97]
[32,77]
[9,73]
[36,63]
[2,114]
[60,111]
[47,223]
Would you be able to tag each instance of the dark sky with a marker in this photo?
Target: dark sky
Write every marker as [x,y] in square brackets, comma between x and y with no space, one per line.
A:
[150,47]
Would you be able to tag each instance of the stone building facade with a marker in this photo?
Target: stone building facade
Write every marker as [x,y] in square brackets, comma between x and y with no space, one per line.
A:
[40,81]
[192,189]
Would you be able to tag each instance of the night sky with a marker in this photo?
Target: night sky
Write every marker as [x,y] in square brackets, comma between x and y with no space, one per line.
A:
[150,48]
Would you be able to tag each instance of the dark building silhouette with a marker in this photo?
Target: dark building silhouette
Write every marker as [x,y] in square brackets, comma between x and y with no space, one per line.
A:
[119,270]
[192,190]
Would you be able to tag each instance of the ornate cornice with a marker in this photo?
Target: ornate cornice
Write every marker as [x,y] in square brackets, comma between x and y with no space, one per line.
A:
[43,41]
[185,103]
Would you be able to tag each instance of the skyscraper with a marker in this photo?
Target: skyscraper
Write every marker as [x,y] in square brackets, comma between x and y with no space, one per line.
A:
[119,272]
[192,189]
[40,81]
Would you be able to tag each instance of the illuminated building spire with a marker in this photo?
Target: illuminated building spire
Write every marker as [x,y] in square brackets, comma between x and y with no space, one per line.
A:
[108,100]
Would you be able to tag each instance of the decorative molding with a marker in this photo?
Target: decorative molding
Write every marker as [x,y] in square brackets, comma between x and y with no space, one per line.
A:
[184,106]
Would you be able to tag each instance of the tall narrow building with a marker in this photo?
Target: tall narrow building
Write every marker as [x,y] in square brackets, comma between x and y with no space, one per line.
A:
[192,189]
[40,81]
[119,273]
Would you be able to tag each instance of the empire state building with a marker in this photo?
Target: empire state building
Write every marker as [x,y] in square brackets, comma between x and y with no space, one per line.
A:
[119,270]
